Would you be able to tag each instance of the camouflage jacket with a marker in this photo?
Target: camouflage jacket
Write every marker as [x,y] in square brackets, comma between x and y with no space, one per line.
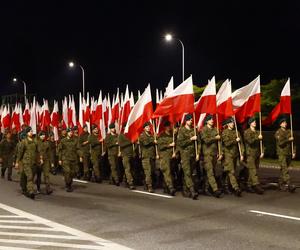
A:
[111,144]
[163,141]
[209,141]
[252,142]
[69,149]
[147,145]
[96,145]
[184,142]
[7,149]
[126,146]
[230,145]
[85,149]
[28,152]
[283,145]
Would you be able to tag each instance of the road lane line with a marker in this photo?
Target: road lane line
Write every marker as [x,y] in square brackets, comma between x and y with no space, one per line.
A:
[10,216]
[15,248]
[29,228]
[275,215]
[19,221]
[80,181]
[153,194]
[53,244]
[53,226]
[52,236]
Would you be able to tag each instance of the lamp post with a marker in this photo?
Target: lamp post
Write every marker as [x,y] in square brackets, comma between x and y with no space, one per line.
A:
[15,80]
[169,38]
[72,65]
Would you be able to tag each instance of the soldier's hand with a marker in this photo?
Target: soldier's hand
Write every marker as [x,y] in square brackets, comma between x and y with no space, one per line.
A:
[80,159]
[60,163]
[194,138]
[173,155]
[242,158]
[117,143]
[293,155]
[157,157]
[260,137]
[155,141]
[103,153]
[119,154]
[197,157]
[172,144]
[261,155]
[41,161]
[220,157]
[218,137]
[291,138]
[238,139]
[101,140]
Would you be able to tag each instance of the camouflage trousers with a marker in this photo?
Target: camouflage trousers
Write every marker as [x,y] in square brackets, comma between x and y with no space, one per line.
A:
[127,168]
[7,164]
[284,161]
[113,162]
[252,166]
[165,167]
[148,170]
[69,168]
[27,177]
[96,166]
[230,163]
[45,170]
[187,162]
[85,164]
[210,163]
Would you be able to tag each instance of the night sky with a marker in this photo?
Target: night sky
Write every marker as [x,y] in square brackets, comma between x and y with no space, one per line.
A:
[121,42]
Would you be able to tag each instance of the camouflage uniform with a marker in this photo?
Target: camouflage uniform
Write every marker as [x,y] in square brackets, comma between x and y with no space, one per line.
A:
[188,155]
[252,155]
[68,153]
[45,153]
[111,142]
[28,156]
[148,156]
[96,153]
[210,152]
[231,155]
[53,159]
[85,150]
[284,152]
[165,153]
[7,154]
[126,147]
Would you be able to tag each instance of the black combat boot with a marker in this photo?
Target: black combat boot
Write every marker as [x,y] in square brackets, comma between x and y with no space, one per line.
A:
[258,189]
[150,189]
[194,194]
[172,191]
[238,192]
[291,188]
[217,193]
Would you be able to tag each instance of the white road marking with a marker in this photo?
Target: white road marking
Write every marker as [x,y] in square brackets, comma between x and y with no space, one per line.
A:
[154,194]
[52,236]
[19,221]
[99,243]
[275,215]
[15,248]
[10,216]
[80,181]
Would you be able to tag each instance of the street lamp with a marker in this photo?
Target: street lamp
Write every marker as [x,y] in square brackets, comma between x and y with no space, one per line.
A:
[169,38]
[72,65]
[15,80]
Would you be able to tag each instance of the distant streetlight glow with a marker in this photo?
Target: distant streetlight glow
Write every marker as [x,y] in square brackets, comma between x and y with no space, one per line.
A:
[168,37]
[71,64]
[15,80]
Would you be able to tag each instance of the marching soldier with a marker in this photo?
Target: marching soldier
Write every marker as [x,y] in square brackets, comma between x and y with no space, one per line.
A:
[28,157]
[53,159]
[186,142]
[231,153]
[45,152]
[252,139]
[165,145]
[7,155]
[96,152]
[68,154]
[112,144]
[147,143]
[85,150]
[210,138]
[285,155]
[127,153]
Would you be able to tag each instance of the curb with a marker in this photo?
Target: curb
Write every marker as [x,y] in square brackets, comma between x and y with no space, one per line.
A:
[277,167]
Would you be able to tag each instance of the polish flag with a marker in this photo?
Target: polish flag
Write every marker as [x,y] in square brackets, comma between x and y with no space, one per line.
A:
[283,107]
[98,111]
[115,111]
[246,100]
[55,120]
[170,87]
[141,113]
[81,111]
[126,107]
[33,116]
[46,119]
[15,118]
[5,118]
[131,100]
[73,108]
[65,122]
[178,102]
[26,114]
[20,115]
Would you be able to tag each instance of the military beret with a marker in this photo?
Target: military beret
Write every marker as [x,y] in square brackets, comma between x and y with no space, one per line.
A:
[282,119]
[51,133]
[94,126]
[188,117]
[208,118]
[27,129]
[76,127]
[42,133]
[111,126]
[146,124]
[167,124]
[68,130]
[251,119]
[226,121]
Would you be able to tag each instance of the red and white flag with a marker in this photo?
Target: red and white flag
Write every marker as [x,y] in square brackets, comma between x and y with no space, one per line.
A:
[26,113]
[126,108]
[5,118]
[283,107]
[65,122]
[55,120]
[46,119]
[33,116]
[246,100]
[15,118]
[141,113]
[178,102]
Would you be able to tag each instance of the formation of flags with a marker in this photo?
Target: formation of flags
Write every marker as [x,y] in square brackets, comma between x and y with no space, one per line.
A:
[129,117]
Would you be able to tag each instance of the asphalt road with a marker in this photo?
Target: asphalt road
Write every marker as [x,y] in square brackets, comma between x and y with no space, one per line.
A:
[142,221]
